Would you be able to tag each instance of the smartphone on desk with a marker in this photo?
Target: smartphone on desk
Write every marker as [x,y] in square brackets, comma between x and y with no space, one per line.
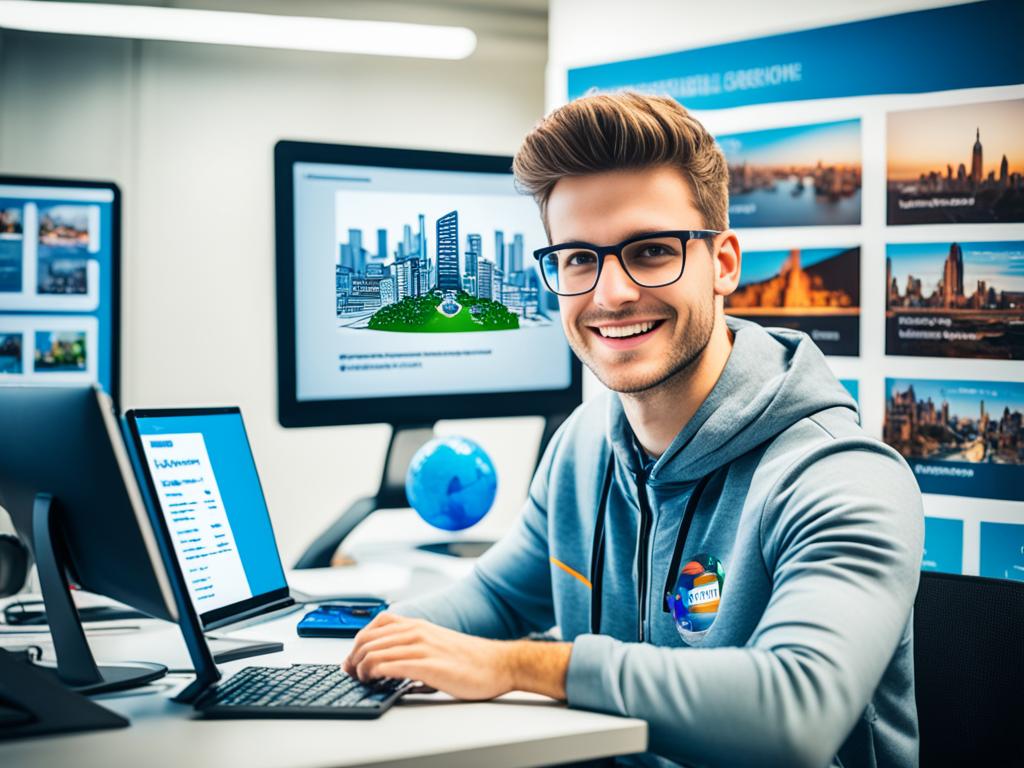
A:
[341,618]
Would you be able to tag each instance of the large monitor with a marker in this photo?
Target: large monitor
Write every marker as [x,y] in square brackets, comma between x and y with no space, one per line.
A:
[68,481]
[59,257]
[407,290]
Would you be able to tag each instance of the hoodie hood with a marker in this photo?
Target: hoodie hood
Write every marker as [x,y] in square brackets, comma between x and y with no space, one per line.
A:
[773,378]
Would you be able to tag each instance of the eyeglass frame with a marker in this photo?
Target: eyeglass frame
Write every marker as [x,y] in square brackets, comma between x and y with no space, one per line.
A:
[603,251]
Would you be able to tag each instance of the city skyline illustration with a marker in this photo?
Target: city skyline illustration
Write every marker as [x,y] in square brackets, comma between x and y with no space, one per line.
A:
[373,270]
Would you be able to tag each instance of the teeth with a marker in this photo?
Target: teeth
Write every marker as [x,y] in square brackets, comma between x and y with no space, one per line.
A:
[620,331]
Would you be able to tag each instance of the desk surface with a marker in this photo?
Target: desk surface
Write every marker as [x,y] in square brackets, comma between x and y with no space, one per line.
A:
[423,730]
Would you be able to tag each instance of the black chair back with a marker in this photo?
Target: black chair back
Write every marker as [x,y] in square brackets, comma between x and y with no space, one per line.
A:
[969,670]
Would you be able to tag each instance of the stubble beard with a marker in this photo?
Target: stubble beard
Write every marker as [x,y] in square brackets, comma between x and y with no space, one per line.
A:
[699,326]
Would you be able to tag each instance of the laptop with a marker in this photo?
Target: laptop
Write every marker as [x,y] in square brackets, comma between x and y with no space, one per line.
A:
[199,470]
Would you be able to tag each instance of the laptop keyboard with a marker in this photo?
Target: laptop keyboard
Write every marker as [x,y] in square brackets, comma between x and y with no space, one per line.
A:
[302,690]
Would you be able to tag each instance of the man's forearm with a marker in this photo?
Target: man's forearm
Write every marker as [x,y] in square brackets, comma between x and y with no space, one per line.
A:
[538,667]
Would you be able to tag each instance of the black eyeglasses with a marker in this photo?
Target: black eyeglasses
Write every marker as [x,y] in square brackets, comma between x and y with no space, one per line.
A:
[651,260]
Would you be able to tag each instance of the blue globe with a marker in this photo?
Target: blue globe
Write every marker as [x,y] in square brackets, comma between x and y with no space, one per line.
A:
[451,483]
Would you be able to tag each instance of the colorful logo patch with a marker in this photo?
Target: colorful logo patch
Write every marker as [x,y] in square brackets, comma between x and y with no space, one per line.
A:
[694,601]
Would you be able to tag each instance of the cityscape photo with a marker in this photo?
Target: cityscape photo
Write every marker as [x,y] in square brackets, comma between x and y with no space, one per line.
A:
[808,175]
[64,244]
[959,164]
[956,421]
[444,286]
[955,300]
[960,437]
[10,353]
[60,351]
[815,290]
[11,238]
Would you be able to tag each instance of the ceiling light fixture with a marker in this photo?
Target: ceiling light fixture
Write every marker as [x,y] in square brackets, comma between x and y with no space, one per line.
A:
[304,33]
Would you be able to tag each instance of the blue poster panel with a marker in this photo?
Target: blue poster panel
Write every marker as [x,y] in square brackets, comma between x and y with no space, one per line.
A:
[829,62]
[956,164]
[814,290]
[1002,551]
[943,545]
[953,299]
[962,438]
[853,387]
[806,175]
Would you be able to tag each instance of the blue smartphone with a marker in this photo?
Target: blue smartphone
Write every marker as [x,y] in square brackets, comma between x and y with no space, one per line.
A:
[341,618]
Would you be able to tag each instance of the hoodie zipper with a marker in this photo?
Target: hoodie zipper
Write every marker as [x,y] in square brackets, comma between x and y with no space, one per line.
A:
[642,545]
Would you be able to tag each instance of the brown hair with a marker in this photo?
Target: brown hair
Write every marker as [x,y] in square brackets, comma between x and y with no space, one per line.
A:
[627,130]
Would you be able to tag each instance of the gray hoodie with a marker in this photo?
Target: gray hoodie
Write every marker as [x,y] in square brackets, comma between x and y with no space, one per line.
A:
[818,529]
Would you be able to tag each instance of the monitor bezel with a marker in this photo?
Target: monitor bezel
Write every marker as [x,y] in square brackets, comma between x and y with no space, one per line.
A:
[411,409]
[115,263]
[243,609]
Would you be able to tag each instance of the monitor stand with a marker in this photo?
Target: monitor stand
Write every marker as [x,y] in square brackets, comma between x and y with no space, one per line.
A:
[406,439]
[76,667]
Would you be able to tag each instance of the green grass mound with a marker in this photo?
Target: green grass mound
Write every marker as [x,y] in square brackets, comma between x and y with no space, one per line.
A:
[419,314]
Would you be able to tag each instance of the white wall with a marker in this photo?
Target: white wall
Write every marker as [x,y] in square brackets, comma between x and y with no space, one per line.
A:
[188,131]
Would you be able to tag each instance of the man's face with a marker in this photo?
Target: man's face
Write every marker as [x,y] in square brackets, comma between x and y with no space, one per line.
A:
[607,208]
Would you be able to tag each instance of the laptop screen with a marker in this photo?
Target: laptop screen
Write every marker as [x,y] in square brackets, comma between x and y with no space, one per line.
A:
[201,471]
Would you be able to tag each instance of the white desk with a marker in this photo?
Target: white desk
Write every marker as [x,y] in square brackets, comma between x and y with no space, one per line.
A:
[423,730]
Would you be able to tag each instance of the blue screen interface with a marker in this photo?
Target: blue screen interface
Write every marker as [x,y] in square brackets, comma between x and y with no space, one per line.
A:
[210,495]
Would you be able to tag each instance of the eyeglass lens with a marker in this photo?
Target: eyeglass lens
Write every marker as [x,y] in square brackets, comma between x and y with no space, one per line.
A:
[650,263]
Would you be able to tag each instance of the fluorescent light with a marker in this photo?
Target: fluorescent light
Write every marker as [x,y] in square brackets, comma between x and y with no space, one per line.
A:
[305,33]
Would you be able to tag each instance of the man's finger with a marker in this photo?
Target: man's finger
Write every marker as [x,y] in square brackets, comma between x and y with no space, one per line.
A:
[390,640]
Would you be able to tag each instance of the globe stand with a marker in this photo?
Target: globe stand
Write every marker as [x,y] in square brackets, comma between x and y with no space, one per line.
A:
[406,439]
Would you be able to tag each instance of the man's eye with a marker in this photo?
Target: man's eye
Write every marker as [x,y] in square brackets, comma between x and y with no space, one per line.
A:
[580,259]
[653,250]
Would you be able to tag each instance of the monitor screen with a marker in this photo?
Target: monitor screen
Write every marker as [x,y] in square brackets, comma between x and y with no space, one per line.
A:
[201,472]
[59,254]
[413,276]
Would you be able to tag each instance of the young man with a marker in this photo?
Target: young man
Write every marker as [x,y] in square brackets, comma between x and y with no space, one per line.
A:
[724,551]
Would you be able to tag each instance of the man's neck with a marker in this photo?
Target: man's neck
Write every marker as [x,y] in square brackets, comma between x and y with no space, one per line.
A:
[658,415]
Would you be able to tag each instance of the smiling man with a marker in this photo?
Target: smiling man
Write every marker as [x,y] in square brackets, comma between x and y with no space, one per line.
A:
[724,551]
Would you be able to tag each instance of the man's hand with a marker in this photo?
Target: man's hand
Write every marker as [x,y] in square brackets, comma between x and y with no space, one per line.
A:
[464,666]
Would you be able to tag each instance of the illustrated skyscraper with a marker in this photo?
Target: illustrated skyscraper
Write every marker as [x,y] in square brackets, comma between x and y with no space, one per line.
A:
[448,252]
[473,252]
[499,249]
[382,244]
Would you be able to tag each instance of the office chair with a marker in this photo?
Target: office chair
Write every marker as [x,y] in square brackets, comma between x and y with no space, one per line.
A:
[969,670]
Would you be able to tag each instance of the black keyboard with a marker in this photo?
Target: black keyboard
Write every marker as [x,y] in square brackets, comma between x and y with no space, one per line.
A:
[302,690]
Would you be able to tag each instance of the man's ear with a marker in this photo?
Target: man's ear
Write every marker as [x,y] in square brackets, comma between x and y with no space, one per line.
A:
[726,258]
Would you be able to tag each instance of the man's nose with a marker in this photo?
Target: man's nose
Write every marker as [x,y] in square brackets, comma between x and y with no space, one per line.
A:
[615,287]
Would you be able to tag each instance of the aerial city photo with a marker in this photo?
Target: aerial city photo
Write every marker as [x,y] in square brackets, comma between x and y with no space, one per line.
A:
[806,175]
[955,299]
[64,246]
[957,164]
[408,289]
[815,290]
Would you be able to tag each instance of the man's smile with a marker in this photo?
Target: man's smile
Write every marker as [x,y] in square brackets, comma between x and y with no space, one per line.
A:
[626,334]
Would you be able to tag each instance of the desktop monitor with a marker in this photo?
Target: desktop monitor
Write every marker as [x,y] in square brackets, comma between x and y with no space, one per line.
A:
[202,479]
[60,243]
[69,484]
[407,290]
